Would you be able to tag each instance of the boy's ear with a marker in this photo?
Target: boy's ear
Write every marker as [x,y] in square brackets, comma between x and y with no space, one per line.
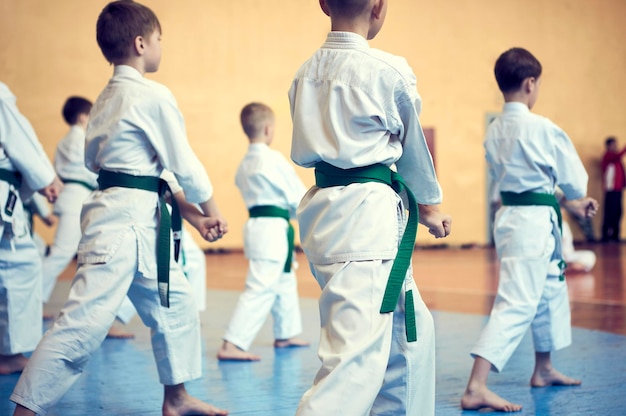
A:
[378,8]
[529,84]
[138,45]
[324,7]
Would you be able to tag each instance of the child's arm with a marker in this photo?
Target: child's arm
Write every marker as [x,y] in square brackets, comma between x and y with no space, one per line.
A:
[438,224]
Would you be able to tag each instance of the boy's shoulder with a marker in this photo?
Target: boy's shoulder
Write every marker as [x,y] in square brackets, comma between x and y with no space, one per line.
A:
[397,62]
[128,78]
[544,123]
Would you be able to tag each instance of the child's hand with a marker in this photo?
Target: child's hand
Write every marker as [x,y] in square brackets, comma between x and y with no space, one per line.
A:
[583,207]
[592,207]
[52,191]
[438,224]
[212,228]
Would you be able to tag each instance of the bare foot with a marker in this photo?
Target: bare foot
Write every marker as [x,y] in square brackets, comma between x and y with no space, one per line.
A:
[230,352]
[23,411]
[290,343]
[552,377]
[485,398]
[10,364]
[177,402]
[119,333]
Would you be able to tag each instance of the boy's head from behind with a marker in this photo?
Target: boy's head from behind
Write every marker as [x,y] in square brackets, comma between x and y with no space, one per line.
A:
[517,72]
[76,110]
[365,17]
[119,24]
[257,120]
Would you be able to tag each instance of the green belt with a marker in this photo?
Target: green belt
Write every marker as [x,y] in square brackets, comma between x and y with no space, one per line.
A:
[327,175]
[535,198]
[108,179]
[11,176]
[79,182]
[277,212]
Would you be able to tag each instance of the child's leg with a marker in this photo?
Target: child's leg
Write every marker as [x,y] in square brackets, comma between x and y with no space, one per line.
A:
[62,251]
[525,253]
[551,330]
[20,301]
[355,339]
[252,308]
[176,341]
[286,313]
[95,295]
[403,394]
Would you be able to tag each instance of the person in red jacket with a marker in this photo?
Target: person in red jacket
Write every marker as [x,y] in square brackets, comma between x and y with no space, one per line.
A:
[613,181]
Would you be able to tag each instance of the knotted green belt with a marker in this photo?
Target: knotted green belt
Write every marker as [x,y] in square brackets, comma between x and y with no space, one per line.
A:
[277,212]
[11,176]
[108,179]
[327,175]
[535,198]
[78,182]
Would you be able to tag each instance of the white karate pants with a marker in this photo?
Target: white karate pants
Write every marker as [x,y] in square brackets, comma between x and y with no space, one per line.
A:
[268,289]
[62,251]
[368,367]
[20,295]
[96,294]
[529,294]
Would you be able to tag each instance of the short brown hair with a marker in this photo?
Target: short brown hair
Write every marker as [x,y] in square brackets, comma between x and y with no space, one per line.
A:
[254,117]
[513,67]
[347,8]
[75,106]
[119,23]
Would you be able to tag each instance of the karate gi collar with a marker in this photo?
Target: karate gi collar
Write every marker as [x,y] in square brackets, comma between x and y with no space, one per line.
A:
[515,107]
[345,40]
[126,71]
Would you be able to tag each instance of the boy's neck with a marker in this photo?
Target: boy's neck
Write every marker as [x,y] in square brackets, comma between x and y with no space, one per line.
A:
[259,140]
[517,98]
[354,26]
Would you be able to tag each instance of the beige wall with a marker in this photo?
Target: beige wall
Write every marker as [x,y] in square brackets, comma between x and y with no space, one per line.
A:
[219,55]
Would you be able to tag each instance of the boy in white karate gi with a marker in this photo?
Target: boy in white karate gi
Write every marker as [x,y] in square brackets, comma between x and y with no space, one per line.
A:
[135,131]
[271,191]
[24,168]
[355,114]
[528,156]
